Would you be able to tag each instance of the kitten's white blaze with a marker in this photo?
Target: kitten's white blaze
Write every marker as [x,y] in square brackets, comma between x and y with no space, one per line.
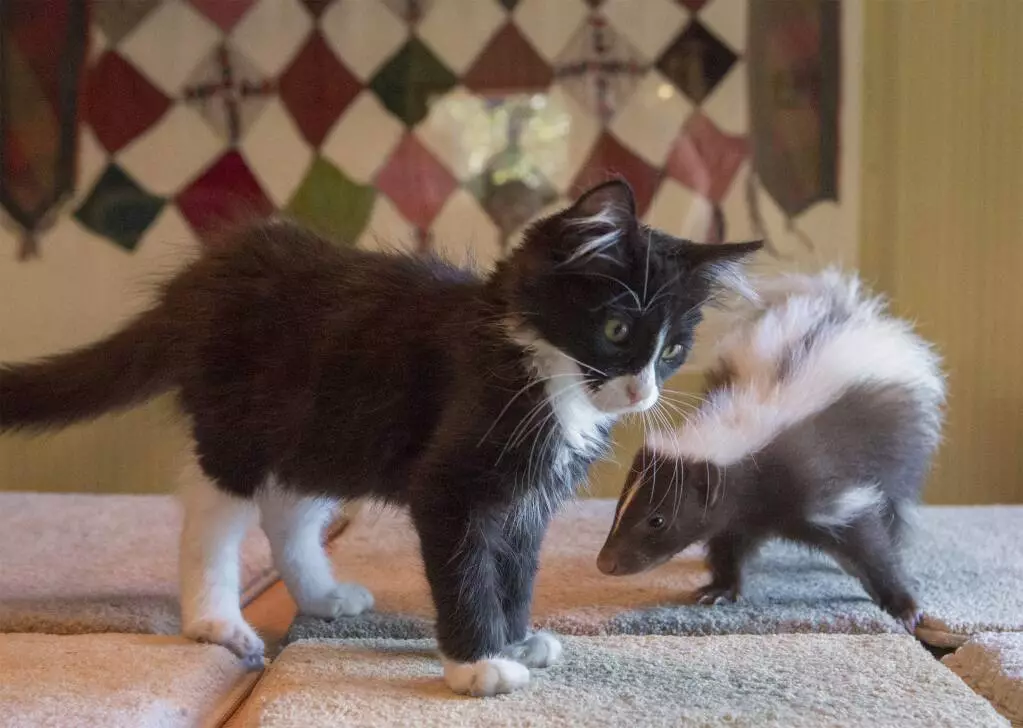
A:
[615,395]
[847,506]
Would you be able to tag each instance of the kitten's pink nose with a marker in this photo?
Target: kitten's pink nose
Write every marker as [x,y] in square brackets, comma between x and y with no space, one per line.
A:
[633,393]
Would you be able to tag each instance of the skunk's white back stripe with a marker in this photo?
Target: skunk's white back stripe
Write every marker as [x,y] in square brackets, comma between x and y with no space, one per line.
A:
[864,348]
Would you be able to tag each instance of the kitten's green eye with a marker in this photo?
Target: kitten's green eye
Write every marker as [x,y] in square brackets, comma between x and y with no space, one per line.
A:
[656,522]
[671,352]
[616,330]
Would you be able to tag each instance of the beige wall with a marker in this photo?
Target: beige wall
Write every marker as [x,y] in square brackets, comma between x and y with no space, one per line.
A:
[943,215]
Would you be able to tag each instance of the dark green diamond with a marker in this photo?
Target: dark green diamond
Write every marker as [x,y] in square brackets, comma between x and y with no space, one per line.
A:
[118,209]
[410,80]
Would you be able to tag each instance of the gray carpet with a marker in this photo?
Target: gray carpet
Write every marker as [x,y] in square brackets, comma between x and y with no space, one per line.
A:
[992,664]
[77,563]
[782,680]
[966,582]
[967,564]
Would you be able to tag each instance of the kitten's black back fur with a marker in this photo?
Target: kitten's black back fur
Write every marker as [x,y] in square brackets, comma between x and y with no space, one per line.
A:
[346,373]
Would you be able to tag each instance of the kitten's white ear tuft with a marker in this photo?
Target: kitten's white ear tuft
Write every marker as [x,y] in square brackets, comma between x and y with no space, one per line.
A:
[610,199]
[600,218]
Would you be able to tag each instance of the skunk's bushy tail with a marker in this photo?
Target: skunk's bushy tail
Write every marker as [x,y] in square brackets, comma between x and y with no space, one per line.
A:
[126,368]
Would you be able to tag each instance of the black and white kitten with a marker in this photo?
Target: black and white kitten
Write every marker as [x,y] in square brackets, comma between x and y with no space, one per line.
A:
[313,374]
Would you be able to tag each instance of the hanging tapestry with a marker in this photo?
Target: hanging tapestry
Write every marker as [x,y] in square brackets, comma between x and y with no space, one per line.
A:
[42,48]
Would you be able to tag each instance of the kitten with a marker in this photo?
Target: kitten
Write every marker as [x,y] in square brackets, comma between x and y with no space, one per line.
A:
[313,374]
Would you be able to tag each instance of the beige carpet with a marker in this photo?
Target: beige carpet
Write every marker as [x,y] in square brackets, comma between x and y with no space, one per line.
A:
[114,681]
[992,664]
[746,680]
[76,563]
[967,565]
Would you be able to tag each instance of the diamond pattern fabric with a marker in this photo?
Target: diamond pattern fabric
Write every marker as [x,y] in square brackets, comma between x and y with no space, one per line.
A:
[225,13]
[118,209]
[316,88]
[224,194]
[120,104]
[696,61]
[416,182]
[410,79]
[423,120]
[330,202]
[229,92]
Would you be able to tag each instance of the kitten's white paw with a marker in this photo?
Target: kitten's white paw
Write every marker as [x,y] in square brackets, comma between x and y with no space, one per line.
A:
[343,600]
[540,649]
[487,677]
[234,634]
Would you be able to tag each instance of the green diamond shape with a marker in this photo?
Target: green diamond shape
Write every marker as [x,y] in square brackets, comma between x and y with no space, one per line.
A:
[331,203]
[410,79]
[118,209]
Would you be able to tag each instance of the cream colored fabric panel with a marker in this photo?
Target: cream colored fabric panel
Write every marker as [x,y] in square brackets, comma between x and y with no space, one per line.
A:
[943,216]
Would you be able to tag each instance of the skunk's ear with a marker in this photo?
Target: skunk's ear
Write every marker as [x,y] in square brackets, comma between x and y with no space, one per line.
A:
[704,482]
[613,199]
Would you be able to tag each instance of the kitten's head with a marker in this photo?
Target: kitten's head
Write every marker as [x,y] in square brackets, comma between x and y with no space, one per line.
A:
[602,298]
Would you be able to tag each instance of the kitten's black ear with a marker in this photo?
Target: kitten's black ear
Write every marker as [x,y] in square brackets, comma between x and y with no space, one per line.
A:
[700,254]
[613,200]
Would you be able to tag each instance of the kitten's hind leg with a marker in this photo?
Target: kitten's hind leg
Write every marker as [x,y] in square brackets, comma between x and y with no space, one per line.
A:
[294,525]
[215,523]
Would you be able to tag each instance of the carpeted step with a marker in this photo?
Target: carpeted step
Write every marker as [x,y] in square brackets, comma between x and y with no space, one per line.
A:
[737,680]
[78,563]
[115,680]
[965,583]
[992,664]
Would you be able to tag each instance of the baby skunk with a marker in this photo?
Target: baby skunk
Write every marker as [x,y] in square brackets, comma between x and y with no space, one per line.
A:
[821,418]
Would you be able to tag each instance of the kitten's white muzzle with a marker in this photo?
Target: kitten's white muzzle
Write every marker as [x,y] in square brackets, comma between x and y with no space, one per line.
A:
[629,393]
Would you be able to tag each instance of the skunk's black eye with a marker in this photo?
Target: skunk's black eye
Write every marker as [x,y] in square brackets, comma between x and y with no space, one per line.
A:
[656,522]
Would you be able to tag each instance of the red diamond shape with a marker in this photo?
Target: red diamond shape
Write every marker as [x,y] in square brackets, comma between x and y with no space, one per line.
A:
[120,103]
[224,193]
[610,158]
[705,159]
[225,13]
[693,5]
[316,88]
[509,64]
[416,182]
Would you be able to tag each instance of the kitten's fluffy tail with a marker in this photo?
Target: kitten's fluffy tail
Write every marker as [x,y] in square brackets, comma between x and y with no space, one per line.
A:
[127,368]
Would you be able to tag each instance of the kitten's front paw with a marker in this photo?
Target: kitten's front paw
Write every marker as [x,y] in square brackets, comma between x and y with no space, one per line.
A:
[487,677]
[716,594]
[235,635]
[540,649]
[343,600]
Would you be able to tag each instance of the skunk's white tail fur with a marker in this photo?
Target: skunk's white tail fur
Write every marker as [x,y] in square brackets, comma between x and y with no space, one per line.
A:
[797,346]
